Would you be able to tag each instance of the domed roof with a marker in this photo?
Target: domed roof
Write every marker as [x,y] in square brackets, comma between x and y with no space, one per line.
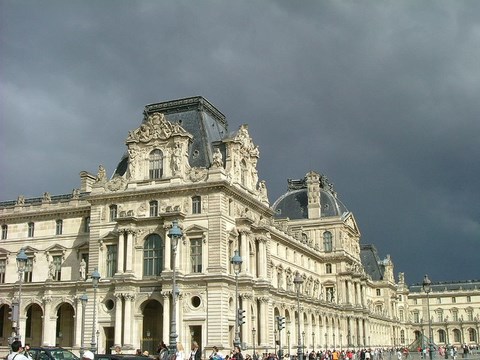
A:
[294,203]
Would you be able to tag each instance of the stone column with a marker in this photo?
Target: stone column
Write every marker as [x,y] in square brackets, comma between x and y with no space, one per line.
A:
[121,251]
[244,253]
[129,248]
[48,335]
[262,253]
[127,329]
[166,315]
[77,337]
[167,252]
[118,319]
[263,314]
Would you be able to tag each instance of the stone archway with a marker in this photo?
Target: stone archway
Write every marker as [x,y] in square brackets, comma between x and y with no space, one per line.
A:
[34,325]
[152,330]
[64,330]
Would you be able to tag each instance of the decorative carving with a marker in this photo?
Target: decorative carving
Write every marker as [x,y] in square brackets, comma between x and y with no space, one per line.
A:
[155,126]
[116,184]
[46,197]
[198,174]
[101,175]
[217,158]
[20,200]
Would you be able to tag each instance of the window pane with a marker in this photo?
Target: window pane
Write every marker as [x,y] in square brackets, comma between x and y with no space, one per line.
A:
[156,164]
[111,260]
[153,256]
[196,255]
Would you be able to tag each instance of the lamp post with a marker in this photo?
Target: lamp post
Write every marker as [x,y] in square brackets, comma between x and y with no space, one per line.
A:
[427,288]
[275,341]
[446,337]
[236,261]
[175,234]
[254,340]
[298,281]
[334,340]
[21,264]
[341,342]
[95,278]
[83,299]
[313,340]
[303,342]
[288,341]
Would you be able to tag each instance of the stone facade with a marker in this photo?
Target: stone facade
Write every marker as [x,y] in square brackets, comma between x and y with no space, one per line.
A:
[208,182]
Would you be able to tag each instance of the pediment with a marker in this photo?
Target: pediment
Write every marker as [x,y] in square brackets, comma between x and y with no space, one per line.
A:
[350,222]
[55,248]
[4,253]
[82,245]
[195,229]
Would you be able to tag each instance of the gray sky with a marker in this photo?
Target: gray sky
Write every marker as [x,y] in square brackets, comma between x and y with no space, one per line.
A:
[379,96]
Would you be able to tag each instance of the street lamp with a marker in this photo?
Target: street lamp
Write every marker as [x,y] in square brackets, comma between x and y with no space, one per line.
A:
[288,341]
[175,234]
[236,261]
[341,341]
[298,281]
[21,264]
[303,342]
[427,288]
[313,340]
[275,341]
[83,299]
[254,340]
[95,278]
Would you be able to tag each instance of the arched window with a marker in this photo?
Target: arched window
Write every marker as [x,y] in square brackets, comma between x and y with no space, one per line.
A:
[156,164]
[457,336]
[441,336]
[327,241]
[153,255]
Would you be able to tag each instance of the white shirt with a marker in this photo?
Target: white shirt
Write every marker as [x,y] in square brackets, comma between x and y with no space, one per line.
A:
[17,356]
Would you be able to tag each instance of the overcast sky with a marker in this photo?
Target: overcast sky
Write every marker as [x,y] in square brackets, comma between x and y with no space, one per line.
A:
[382,97]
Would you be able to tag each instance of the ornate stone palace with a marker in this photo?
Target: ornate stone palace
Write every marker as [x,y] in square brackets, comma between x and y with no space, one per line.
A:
[183,164]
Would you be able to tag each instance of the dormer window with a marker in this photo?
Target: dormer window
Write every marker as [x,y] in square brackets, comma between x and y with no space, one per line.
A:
[156,164]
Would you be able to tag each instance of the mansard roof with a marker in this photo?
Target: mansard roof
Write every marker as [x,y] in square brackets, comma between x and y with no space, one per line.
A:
[371,262]
[199,118]
[294,203]
[447,286]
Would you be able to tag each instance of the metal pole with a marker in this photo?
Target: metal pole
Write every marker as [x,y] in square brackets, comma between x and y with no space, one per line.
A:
[298,282]
[237,331]
[175,233]
[93,344]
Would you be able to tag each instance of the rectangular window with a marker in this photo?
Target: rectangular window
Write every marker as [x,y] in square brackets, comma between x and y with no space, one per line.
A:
[416,318]
[27,275]
[86,224]
[31,229]
[111,260]
[113,212]
[469,298]
[153,208]
[379,292]
[58,227]
[57,267]
[401,315]
[196,255]
[440,317]
[439,300]
[454,300]
[4,232]
[3,265]
[196,205]
[455,315]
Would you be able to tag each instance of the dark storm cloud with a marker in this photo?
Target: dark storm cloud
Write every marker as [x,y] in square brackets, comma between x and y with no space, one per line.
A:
[379,96]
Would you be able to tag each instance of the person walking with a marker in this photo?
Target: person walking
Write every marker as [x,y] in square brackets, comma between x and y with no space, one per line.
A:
[237,353]
[17,350]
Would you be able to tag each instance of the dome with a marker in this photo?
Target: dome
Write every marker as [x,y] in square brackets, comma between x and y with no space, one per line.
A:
[294,203]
